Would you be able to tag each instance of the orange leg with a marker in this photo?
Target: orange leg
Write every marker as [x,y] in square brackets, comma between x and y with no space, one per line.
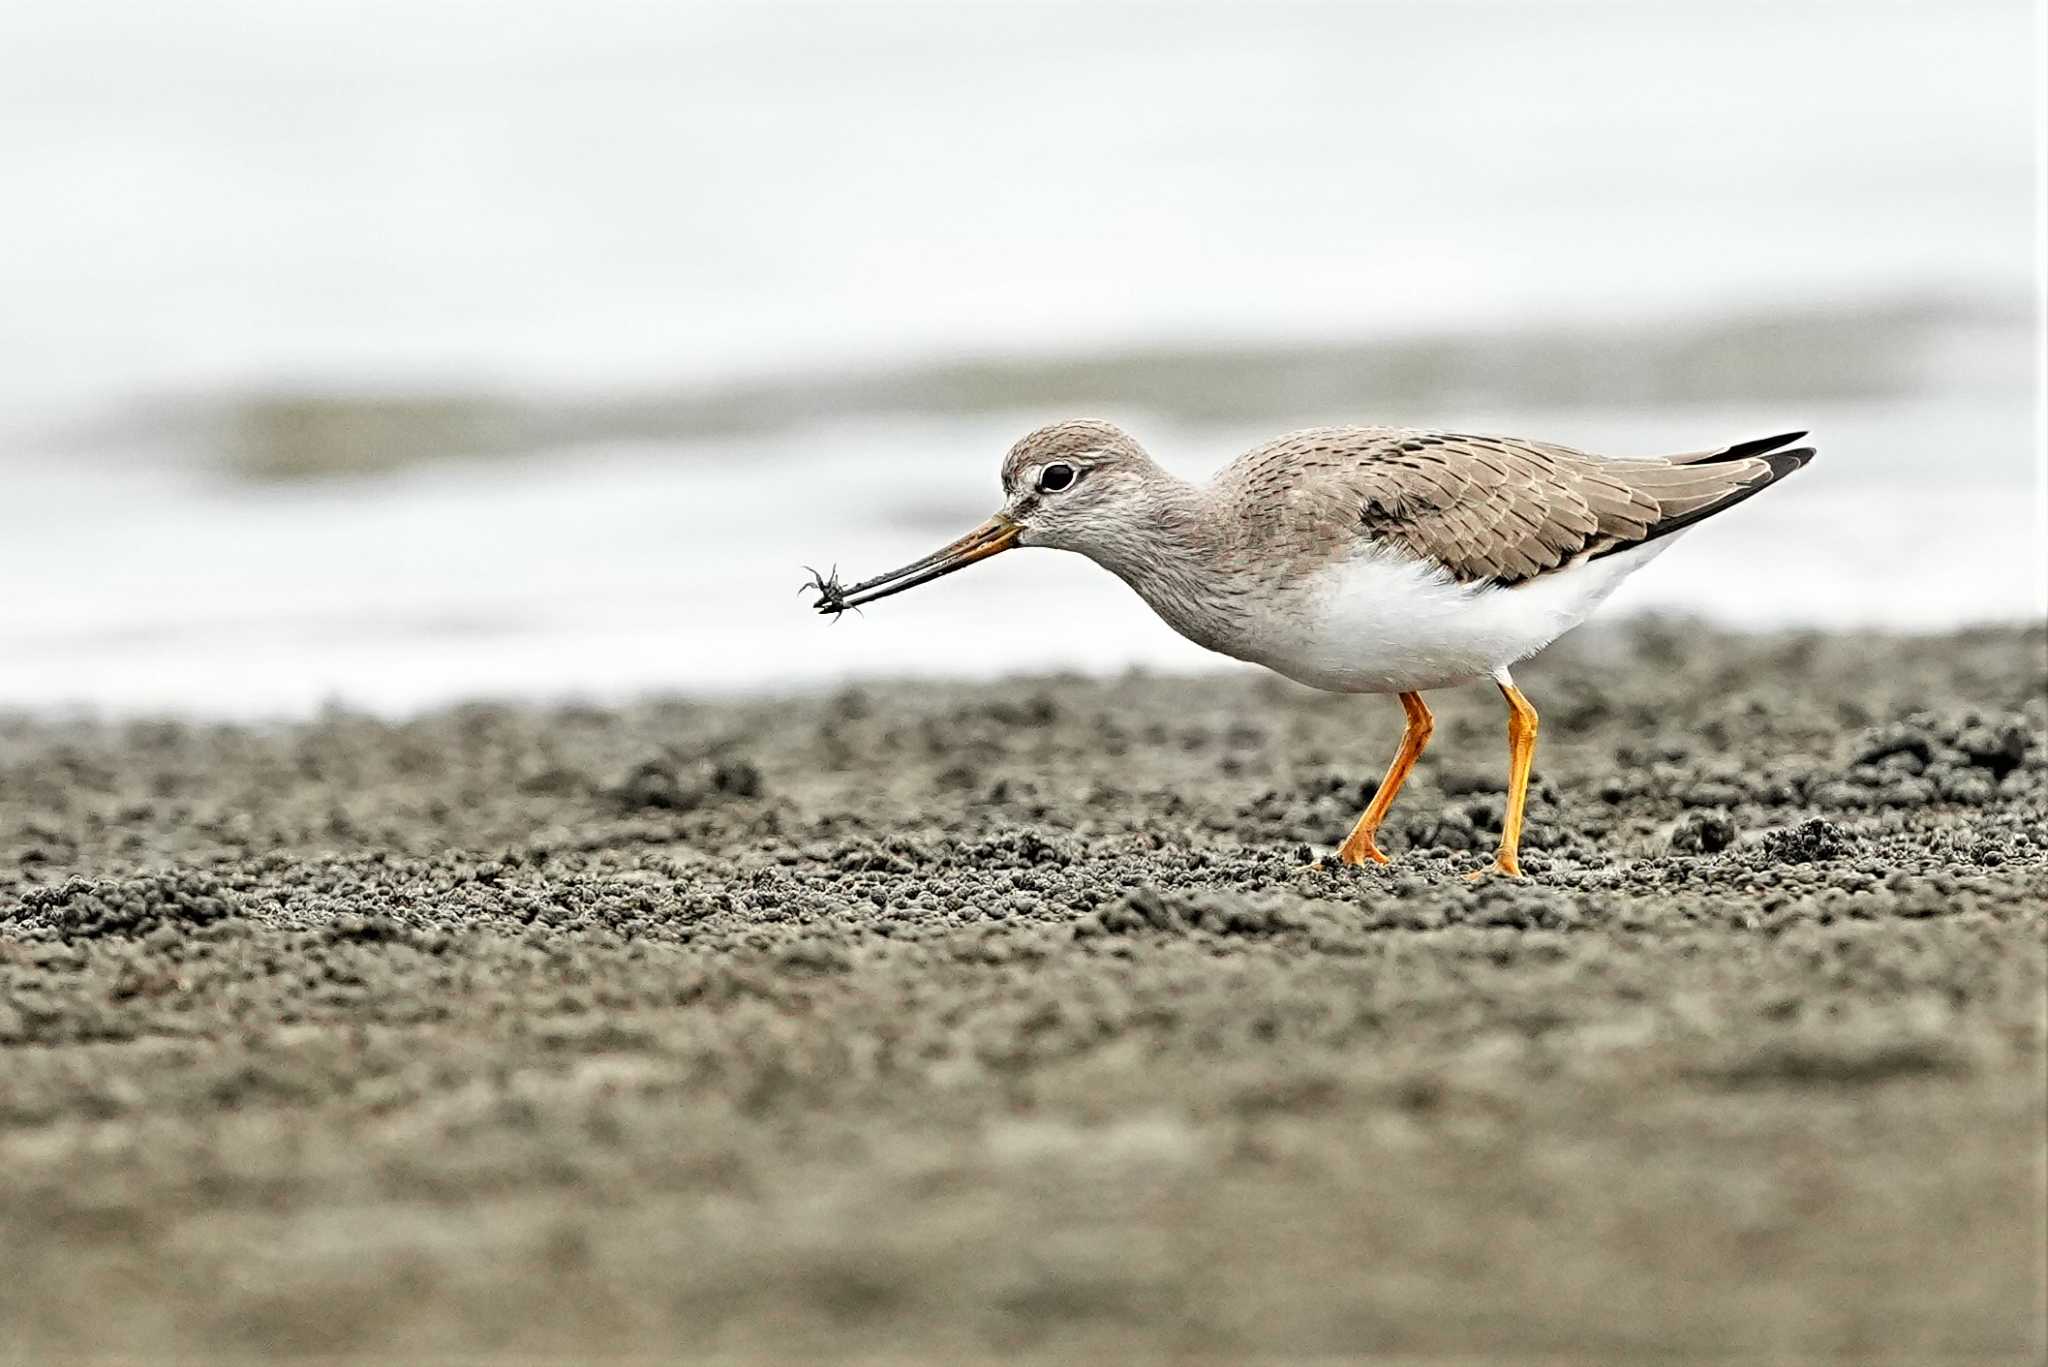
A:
[1359,846]
[1521,750]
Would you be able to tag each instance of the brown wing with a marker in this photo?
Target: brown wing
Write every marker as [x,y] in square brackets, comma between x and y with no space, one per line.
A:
[1501,510]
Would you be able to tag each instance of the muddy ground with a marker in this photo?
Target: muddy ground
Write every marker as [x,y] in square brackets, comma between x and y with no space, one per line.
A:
[967,1022]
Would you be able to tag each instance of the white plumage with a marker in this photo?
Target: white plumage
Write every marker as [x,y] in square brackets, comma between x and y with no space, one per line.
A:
[1381,622]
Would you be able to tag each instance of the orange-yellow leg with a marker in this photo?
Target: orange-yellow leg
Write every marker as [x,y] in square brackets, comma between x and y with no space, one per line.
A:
[1359,846]
[1521,750]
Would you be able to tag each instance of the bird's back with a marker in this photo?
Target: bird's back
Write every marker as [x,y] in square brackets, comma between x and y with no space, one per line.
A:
[1483,509]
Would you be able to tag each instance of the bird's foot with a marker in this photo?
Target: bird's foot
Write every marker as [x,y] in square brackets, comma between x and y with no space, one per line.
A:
[1504,865]
[1341,859]
[1360,850]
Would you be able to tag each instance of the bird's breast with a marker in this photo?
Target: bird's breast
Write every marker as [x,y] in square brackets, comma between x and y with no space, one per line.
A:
[1375,622]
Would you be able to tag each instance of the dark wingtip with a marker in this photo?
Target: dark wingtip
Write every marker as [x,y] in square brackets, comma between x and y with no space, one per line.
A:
[1783,463]
[1779,463]
[1743,450]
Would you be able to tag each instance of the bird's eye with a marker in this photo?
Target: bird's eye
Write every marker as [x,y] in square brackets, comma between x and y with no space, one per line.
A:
[1053,478]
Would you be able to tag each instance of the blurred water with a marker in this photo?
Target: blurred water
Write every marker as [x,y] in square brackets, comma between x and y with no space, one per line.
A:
[355,197]
[623,568]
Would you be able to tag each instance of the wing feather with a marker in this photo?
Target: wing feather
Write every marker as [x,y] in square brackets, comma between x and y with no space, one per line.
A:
[1493,509]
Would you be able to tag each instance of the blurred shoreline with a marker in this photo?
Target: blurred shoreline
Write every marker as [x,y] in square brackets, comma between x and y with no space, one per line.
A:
[1870,350]
[273,551]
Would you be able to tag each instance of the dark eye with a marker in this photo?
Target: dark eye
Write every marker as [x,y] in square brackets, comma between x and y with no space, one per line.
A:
[1054,478]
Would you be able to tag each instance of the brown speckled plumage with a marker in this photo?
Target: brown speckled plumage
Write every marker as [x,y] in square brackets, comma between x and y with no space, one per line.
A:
[1485,509]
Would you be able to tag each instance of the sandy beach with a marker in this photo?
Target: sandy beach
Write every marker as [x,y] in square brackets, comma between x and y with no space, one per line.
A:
[1012,1020]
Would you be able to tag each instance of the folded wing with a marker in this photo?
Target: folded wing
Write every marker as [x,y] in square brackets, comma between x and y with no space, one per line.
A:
[1501,510]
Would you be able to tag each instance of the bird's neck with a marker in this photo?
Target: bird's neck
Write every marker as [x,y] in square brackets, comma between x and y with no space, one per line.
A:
[1170,557]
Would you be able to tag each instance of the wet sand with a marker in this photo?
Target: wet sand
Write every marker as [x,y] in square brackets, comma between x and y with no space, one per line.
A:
[1012,1021]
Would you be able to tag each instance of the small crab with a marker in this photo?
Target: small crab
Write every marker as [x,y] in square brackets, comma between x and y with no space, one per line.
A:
[831,599]
[999,533]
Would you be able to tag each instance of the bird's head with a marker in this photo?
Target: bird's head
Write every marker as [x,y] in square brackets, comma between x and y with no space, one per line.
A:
[1077,486]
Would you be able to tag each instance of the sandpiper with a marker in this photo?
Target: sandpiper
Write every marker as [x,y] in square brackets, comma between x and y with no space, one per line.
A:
[1361,559]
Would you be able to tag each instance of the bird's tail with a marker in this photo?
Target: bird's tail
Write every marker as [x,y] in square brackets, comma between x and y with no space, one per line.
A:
[1747,450]
[1776,454]
[1695,486]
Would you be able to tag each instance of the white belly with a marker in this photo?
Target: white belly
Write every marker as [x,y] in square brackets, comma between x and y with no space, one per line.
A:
[1381,624]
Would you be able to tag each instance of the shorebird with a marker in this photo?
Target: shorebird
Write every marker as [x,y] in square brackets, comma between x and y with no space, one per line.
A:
[1361,559]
